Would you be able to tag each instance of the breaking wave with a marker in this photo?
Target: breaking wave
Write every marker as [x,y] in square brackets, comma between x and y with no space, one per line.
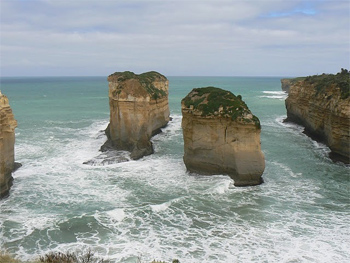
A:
[280,95]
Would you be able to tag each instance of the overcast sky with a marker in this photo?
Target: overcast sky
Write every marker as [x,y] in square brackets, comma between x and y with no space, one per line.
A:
[192,37]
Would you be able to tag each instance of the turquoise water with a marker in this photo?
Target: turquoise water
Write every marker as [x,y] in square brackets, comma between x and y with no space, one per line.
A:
[151,208]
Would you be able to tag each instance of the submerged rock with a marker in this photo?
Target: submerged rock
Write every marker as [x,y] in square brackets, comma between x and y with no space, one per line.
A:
[221,136]
[7,143]
[138,110]
[108,157]
[322,105]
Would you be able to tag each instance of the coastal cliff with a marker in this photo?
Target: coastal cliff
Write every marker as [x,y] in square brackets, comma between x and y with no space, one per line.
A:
[287,83]
[221,136]
[7,142]
[138,110]
[322,105]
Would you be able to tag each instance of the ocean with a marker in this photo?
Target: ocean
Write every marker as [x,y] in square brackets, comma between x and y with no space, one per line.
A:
[152,208]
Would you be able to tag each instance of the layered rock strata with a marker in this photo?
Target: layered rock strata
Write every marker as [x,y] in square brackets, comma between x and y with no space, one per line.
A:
[322,105]
[7,142]
[287,83]
[138,110]
[221,136]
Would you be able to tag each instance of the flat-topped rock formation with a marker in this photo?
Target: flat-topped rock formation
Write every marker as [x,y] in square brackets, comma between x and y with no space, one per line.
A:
[221,136]
[138,110]
[7,142]
[322,105]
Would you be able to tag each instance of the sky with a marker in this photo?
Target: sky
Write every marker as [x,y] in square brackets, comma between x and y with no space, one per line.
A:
[174,37]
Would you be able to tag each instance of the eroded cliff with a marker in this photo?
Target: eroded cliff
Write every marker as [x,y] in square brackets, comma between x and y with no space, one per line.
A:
[7,142]
[322,105]
[287,83]
[138,110]
[221,136]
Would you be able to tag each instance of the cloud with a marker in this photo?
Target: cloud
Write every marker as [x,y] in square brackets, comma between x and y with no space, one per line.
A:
[174,37]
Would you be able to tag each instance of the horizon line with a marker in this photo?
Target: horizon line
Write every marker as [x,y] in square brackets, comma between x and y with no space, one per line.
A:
[92,76]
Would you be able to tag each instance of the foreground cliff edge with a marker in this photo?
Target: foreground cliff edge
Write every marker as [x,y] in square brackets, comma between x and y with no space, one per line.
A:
[7,143]
[138,110]
[321,104]
[221,136]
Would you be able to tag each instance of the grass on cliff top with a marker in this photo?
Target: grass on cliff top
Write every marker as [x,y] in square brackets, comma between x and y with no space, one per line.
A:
[295,80]
[209,100]
[147,76]
[146,80]
[340,80]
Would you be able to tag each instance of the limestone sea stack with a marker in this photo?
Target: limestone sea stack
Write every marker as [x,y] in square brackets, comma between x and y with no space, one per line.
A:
[221,136]
[138,110]
[7,142]
[321,104]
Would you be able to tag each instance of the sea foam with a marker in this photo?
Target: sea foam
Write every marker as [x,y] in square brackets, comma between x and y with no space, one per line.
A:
[280,95]
[153,209]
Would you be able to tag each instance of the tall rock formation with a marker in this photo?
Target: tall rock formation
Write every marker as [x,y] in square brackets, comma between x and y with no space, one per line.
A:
[322,105]
[138,110]
[221,136]
[7,142]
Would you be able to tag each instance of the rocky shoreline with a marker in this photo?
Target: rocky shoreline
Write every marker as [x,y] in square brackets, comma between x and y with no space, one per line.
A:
[321,104]
[7,144]
[220,133]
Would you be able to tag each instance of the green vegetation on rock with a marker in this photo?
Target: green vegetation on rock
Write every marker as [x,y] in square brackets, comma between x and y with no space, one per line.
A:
[146,80]
[56,257]
[295,80]
[212,101]
[59,257]
[340,80]
[6,258]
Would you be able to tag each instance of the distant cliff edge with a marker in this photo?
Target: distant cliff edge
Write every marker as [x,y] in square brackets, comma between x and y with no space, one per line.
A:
[221,136]
[7,143]
[287,83]
[321,103]
[138,110]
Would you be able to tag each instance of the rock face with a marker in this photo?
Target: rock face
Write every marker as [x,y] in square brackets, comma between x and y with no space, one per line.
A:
[287,83]
[322,105]
[138,110]
[221,136]
[7,142]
